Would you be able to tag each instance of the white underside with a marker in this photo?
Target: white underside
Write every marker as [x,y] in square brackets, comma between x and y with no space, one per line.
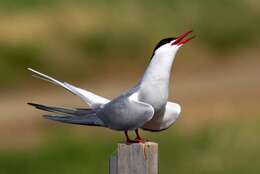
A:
[162,121]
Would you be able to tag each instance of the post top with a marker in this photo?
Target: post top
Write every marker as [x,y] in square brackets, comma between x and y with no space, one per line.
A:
[147,144]
[141,158]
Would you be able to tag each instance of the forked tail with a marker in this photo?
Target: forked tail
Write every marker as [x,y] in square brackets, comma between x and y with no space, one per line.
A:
[71,115]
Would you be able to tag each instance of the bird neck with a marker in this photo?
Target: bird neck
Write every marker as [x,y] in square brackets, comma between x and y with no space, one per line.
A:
[159,69]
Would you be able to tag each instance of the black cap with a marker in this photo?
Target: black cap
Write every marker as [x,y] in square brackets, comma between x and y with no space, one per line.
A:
[163,42]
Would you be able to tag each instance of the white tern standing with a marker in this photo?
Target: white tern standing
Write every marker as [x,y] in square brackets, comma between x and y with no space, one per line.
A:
[144,106]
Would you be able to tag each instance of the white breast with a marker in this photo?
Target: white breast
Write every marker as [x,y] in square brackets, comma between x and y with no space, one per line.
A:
[163,120]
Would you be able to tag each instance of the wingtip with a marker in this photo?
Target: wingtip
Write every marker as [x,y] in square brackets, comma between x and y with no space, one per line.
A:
[33,104]
[29,103]
[28,68]
[32,70]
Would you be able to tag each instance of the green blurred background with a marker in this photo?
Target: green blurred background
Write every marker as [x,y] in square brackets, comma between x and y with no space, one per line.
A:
[104,46]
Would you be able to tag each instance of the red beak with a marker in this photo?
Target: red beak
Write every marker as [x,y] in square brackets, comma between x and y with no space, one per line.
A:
[180,39]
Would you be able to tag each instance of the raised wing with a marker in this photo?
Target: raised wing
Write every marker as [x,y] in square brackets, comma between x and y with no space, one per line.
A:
[90,98]
[164,119]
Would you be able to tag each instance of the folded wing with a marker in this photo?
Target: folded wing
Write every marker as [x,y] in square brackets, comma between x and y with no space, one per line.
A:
[126,113]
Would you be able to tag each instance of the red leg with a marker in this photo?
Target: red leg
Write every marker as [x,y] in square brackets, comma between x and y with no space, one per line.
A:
[128,140]
[138,138]
[127,137]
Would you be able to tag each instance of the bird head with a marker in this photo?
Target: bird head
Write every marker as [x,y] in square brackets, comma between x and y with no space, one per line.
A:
[172,44]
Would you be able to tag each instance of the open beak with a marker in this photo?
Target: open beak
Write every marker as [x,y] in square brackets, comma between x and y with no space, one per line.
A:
[180,40]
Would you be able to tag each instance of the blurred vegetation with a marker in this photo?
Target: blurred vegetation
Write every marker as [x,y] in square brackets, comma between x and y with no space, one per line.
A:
[83,40]
[16,58]
[211,149]
[86,34]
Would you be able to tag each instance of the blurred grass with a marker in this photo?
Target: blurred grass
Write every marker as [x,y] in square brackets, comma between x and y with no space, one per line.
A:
[87,34]
[226,148]
[15,58]
[85,39]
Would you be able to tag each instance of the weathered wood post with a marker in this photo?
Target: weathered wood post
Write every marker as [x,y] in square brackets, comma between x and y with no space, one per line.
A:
[136,158]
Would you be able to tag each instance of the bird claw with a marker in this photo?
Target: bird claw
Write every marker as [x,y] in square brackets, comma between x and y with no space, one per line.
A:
[128,142]
[137,140]
[140,140]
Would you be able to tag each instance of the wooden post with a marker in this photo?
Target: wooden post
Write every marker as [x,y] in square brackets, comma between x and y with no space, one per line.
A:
[136,158]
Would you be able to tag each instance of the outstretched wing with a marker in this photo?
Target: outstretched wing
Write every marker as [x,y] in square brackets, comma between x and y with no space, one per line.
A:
[90,98]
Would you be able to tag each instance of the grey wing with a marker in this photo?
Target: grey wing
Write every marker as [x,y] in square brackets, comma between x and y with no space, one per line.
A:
[126,113]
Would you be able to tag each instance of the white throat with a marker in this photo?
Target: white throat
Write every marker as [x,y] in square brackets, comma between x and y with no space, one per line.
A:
[154,85]
[159,69]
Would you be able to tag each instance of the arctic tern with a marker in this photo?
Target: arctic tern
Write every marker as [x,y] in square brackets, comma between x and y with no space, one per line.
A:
[144,106]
